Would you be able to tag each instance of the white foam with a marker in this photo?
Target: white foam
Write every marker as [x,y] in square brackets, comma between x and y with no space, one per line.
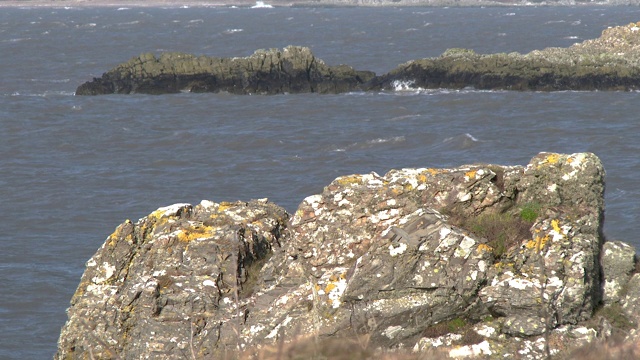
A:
[261,5]
[393,139]
[406,85]
[471,137]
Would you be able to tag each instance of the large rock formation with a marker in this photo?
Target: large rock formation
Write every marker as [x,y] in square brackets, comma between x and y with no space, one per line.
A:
[479,260]
[610,62]
[290,70]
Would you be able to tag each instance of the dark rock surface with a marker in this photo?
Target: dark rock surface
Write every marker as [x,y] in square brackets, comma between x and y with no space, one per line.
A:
[391,258]
[610,62]
[290,70]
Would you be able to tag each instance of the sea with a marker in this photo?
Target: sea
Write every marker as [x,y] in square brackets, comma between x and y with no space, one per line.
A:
[72,168]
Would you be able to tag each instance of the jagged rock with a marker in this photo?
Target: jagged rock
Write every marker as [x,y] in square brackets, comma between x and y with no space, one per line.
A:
[390,258]
[618,261]
[607,63]
[290,70]
[169,282]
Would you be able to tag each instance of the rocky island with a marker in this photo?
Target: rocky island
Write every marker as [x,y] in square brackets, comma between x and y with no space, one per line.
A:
[610,62]
[477,261]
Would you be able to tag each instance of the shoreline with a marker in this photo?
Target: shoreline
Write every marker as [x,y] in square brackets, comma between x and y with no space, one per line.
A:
[295,3]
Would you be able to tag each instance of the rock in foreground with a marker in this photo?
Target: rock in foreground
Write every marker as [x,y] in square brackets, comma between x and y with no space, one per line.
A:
[479,260]
[290,70]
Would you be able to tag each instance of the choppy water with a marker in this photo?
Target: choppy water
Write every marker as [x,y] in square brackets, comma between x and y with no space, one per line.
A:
[73,168]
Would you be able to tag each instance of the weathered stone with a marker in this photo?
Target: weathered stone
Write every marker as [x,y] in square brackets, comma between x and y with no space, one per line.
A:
[167,284]
[631,300]
[618,261]
[290,70]
[381,257]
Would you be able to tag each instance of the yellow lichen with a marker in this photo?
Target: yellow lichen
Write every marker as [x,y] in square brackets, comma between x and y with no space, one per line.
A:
[552,159]
[433,171]
[422,178]
[556,226]
[470,175]
[348,180]
[195,232]
[483,248]
[224,206]
[538,243]
[330,286]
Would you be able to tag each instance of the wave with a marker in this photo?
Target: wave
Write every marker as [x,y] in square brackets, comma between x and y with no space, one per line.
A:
[404,117]
[15,40]
[371,143]
[232,31]
[404,85]
[461,142]
[55,81]
[44,94]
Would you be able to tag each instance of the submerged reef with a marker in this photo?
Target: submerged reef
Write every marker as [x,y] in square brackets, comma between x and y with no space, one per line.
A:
[610,62]
[475,261]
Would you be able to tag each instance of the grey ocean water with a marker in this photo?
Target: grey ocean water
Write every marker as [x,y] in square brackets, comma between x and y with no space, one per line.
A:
[73,168]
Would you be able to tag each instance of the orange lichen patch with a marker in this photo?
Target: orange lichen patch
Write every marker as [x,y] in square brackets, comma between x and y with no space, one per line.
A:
[422,178]
[483,248]
[117,234]
[433,171]
[471,174]
[538,243]
[552,159]
[195,233]
[330,286]
[224,206]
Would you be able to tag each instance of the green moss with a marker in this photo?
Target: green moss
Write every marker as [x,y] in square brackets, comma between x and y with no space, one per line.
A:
[530,211]
[456,324]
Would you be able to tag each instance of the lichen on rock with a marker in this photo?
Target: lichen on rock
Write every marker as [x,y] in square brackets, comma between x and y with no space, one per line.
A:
[378,256]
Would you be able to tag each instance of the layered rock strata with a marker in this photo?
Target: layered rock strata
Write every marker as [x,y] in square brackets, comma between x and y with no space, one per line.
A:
[393,259]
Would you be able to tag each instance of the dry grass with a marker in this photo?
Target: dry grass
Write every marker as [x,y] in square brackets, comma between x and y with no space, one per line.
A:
[334,349]
[607,350]
[503,231]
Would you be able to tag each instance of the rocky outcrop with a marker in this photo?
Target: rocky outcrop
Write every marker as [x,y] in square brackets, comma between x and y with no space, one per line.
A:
[479,260]
[290,70]
[610,62]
